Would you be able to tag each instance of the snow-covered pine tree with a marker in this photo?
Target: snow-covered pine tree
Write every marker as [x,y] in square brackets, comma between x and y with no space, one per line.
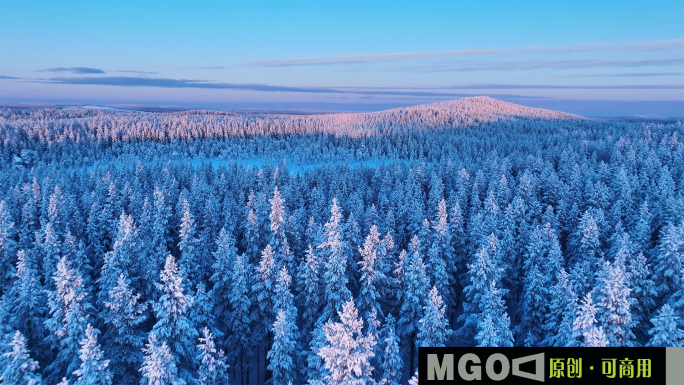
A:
[69,313]
[347,351]
[7,248]
[310,296]
[241,317]
[665,331]
[173,326]
[213,369]
[392,363]
[224,258]
[93,369]
[612,294]
[190,261]
[559,320]
[415,294]
[124,336]
[494,325]
[159,366]
[282,354]
[586,332]
[335,272]
[368,294]
[119,261]
[18,368]
[434,327]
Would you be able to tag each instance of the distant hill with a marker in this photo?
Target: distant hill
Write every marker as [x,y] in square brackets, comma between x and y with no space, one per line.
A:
[55,124]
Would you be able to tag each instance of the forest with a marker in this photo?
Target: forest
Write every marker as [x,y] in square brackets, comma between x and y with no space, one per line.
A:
[466,223]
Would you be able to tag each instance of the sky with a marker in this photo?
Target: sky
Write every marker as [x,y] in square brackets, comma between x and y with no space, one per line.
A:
[595,58]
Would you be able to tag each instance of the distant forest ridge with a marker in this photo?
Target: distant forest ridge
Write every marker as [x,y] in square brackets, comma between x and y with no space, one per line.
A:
[101,125]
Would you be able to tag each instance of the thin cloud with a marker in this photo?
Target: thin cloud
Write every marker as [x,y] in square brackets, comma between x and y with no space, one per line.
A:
[2,77]
[550,64]
[640,74]
[122,81]
[591,47]
[534,87]
[75,70]
[138,72]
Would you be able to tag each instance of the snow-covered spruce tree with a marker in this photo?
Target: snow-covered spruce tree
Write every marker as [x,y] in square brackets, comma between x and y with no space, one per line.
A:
[368,294]
[119,261]
[18,368]
[316,371]
[434,327]
[310,297]
[347,351]
[392,363]
[173,327]
[241,318]
[494,325]
[669,261]
[665,331]
[224,258]
[94,368]
[589,257]
[612,294]
[559,320]
[264,286]
[484,271]
[24,306]
[69,313]
[335,272]
[586,332]
[440,262]
[213,369]
[415,294]
[190,261]
[124,336]
[282,354]
[159,366]
[282,255]
[7,248]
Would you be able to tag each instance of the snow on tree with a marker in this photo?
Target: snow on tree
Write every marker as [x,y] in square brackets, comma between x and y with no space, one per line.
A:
[559,320]
[665,331]
[482,273]
[7,248]
[669,261]
[282,353]
[69,312]
[159,367]
[392,363]
[24,306]
[119,261]
[264,286]
[241,316]
[190,261]
[18,366]
[614,300]
[124,336]
[310,296]
[494,325]
[173,326]
[335,272]
[348,351]
[589,256]
[368,294]
[212,364]
[224,258]
[586,331]
[434,327]
[93,369]
[415,292]
[278,241]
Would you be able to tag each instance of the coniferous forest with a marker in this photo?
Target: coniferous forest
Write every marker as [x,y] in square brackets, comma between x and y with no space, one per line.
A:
[205,247]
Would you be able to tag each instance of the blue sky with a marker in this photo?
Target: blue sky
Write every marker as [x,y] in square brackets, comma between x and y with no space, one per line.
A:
[589,57]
